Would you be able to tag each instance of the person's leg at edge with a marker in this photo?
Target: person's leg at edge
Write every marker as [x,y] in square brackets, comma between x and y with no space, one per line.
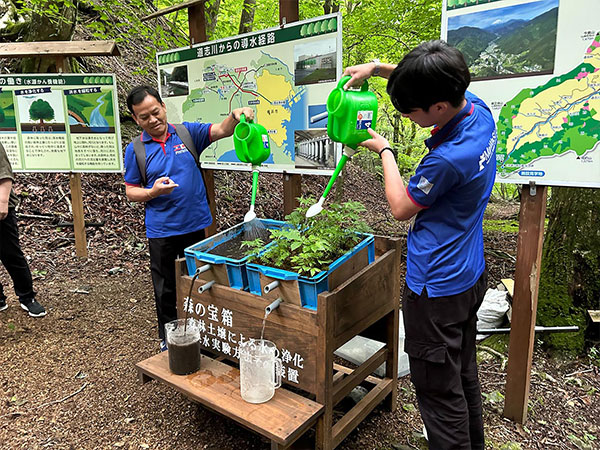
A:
[163,252]
[470,379]
[14,260]
[3,304]
[434,335]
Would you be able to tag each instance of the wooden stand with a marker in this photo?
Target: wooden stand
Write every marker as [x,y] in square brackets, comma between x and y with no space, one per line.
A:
[367,303]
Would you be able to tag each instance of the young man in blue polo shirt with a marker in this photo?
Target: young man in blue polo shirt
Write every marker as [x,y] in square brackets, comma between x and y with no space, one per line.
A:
[445,276]
[177,209]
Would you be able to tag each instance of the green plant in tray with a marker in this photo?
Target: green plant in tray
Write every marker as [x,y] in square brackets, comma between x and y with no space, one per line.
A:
[309,245]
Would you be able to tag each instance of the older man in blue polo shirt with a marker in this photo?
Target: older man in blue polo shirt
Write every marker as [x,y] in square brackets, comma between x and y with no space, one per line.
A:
[177,209]
[445,269]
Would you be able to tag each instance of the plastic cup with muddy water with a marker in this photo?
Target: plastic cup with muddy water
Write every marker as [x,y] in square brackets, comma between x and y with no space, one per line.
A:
[260,370]
[183,343]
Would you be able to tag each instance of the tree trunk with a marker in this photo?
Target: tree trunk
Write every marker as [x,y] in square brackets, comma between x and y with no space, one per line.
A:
[569,284]
[247,19]
[331,6]
[57,26]
[211,11]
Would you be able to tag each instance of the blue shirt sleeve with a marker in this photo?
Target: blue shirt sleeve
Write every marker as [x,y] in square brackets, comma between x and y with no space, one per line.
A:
[433,178]
[200,134]
[132,171]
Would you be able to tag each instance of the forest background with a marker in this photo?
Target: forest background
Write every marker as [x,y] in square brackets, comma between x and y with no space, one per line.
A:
[385,29]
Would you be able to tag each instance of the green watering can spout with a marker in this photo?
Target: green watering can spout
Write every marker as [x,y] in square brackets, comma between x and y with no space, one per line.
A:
[251,215]
[349,115]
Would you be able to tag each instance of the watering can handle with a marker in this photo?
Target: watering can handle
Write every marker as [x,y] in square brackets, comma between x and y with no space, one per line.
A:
[345,79]
[243,119]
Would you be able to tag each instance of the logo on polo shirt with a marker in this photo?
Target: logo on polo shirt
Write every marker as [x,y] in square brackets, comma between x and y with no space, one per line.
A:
[425,185]
[180,148]
[489,151]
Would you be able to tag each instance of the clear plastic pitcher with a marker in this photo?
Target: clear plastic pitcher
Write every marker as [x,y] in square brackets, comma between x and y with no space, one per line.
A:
[260,370]
[184,346]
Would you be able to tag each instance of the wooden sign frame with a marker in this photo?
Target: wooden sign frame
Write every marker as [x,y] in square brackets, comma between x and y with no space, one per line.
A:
[60,51]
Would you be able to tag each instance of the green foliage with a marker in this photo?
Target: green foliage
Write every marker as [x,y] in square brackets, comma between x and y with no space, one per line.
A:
[505,192]
[504,226]
[41,110]
[309,245]
[594,356]
[511,446]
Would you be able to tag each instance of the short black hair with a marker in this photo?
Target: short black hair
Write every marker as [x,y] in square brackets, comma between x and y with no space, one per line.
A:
[432,72]
[139,93]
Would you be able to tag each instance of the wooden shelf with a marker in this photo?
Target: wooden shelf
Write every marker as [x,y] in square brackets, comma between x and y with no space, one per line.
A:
[216,385]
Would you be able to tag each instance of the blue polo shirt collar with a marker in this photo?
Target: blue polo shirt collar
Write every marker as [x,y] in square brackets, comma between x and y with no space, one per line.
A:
[147,138]
[439,135]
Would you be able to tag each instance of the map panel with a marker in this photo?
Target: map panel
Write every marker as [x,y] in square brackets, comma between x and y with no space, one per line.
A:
[281,73]
[549,125]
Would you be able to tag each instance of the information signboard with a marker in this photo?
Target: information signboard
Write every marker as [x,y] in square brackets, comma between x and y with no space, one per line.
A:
[285,74]
[60,122]
[537,65]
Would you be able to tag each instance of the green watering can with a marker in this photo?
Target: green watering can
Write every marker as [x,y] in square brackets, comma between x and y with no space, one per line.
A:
[251,142]
[349,114]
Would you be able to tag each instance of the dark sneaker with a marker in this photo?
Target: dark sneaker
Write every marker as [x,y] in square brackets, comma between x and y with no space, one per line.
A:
[3,304]
[163,346]
[34,308]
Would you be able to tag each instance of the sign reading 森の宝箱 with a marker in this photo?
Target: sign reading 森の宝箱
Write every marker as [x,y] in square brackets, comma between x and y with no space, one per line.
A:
[222,330]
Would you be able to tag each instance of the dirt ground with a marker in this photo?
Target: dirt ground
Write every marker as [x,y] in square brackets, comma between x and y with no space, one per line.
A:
[67,381]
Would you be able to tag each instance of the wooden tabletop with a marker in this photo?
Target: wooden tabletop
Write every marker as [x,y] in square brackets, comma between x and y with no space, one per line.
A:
[216,385]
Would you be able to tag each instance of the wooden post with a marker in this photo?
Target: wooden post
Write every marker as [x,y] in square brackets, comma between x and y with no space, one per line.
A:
[324,368]
[292,184]
[524,307]
[197,30]
[62,66]
[197,23]
[292,189]
[78,215]
[288,11]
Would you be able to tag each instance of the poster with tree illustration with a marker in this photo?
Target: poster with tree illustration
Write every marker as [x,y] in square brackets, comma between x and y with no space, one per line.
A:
[60,122]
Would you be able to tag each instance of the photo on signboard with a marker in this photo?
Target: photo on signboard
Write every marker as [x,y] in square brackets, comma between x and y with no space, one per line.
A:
[174,81]
[508,41]
[317,116]
[315,62]
[313,149]
[7,112]
[456,4]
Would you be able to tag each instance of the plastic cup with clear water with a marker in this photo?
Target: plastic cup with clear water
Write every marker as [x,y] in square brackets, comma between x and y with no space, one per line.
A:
[260,370]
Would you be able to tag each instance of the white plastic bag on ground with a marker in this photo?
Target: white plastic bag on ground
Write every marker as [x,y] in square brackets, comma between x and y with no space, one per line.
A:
[358,349]
[492,310]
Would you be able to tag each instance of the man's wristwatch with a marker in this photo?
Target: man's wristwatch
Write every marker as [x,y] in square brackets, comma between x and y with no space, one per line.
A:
[377,67]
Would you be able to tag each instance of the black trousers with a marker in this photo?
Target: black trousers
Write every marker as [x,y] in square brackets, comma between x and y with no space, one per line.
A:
[163,252]
[13,259]
[440,343]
